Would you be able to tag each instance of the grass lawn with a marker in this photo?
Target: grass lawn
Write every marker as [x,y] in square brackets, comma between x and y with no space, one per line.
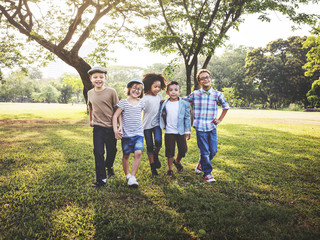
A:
[267,171]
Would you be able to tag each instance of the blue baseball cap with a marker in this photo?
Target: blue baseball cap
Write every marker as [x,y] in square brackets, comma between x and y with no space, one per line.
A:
[135,80]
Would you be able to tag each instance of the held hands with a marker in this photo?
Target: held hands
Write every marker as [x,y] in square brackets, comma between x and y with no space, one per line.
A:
[118,134]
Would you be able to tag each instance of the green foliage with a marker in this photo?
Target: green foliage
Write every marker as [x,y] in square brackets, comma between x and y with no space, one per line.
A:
[314,94]
[277,72]
[267,171]
[228,71]
[196,28]
[17,87]
[74,82]
[313,56]
[48,94]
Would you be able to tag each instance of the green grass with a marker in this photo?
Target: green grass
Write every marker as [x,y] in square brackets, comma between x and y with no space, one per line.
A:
[267,172]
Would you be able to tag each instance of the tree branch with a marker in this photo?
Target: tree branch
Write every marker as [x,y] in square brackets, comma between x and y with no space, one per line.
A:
[73,26]
[171,30]
[91,25]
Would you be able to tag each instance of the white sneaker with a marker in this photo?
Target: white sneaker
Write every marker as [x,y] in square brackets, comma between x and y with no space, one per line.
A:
[209,178]
[198,168]
[132,182]
[128,176]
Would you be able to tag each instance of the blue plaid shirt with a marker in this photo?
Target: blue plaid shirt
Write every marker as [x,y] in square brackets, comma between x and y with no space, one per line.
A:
[205,106]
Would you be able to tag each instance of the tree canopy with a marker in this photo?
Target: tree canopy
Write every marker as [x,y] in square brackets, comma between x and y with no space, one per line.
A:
[196,28]
[278,73]
[187,28]
[61,27]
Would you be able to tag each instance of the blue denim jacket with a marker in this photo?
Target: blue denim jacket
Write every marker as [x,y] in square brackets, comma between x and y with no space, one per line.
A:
[184,123]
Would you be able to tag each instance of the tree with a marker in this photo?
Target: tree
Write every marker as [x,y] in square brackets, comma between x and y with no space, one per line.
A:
[17,87]
[61,27]
[73,81]
[196,28]
[313,56]
[278,73]
[228,71]
[314,94]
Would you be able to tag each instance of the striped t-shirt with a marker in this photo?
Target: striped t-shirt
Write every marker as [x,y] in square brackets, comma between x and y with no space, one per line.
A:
[131,118]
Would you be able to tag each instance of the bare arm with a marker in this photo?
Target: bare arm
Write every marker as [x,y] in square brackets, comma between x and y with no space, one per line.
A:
[117,123]
[90,117]
[219,120]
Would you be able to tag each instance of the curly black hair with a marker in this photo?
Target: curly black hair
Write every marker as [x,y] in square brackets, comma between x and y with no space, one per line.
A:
[150,78]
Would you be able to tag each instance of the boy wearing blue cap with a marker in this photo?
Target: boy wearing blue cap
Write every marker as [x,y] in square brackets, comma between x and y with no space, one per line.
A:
[129,128]
[102,103]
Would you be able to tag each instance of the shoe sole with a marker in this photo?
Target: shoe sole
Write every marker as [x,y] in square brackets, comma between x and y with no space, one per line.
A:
[211,180]
[133,186]
[197,171]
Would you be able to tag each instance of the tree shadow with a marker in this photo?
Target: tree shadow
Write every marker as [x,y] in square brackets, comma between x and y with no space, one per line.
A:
[262,190]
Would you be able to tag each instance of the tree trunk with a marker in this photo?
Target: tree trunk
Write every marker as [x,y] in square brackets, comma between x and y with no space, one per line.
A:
[195,71]
[188,74]
[83,68]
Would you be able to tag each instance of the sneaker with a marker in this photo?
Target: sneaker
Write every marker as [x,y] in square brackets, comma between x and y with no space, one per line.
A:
[128,176]
[156,161]
[169,173]
[178,166]
[98,184]
[132,182]
[209,178]
[110,172]
[154,172]
[198,168]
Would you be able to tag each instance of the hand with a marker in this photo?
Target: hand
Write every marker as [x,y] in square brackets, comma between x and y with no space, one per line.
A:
[118,134]
[91,124]
[216,121]
[187,136]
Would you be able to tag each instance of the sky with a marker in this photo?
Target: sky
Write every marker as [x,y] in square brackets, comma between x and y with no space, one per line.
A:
[252,33]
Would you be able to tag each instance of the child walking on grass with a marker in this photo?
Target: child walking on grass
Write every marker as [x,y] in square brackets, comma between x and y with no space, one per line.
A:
[102,102]
[153,84]
[205,105]
[128,127]
[175,118]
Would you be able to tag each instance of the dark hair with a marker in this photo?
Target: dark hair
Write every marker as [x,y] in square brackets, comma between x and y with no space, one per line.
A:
[202,71]
[150,78]
[172,83]
[128,89]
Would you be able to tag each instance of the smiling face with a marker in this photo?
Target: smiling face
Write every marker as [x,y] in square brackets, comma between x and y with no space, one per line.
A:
[155,88]
[173,92]
[205,80]
[135,90]
[98,80]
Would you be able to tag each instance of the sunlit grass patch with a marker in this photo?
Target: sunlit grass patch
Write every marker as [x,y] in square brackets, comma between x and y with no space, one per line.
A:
[267,172]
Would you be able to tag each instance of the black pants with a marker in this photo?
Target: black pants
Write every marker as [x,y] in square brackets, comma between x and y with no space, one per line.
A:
[103,137]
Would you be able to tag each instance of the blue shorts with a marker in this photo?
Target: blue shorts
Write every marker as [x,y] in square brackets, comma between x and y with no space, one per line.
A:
[132,144]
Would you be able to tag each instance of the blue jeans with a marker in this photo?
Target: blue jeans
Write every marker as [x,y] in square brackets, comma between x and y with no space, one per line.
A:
[208,145]
[157,135]
[103,137]
[132,144]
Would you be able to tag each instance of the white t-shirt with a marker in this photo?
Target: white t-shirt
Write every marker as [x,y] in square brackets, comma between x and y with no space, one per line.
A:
[131,118]
[172,109]
[151,111]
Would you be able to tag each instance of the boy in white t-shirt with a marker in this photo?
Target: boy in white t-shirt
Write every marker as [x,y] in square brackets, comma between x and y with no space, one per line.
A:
[175,118]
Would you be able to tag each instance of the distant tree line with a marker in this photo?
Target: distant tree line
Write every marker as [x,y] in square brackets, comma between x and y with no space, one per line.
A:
[271,77]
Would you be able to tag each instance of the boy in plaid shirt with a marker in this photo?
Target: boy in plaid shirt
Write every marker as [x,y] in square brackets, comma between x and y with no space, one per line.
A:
[205,106]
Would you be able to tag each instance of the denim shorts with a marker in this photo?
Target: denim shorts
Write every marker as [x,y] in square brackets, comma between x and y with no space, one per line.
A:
[132,144]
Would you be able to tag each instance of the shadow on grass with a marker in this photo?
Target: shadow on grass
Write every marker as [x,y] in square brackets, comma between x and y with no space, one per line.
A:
[267,188]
